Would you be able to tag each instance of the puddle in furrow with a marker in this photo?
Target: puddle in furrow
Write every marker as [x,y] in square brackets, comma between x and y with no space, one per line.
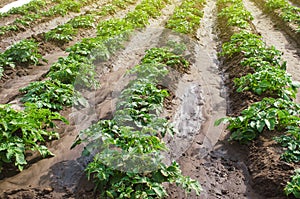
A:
[13,5]
[276,37]
[201,95]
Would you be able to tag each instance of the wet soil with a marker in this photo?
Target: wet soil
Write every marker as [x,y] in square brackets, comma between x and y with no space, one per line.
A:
[204,94]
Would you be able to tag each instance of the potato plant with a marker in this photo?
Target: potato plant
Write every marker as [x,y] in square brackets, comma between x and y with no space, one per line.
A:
[24,130]
[25,53]
[28,18]
[52,94]
[292,187]
[186,17]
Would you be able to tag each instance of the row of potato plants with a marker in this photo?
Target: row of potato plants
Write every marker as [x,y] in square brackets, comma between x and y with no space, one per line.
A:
[26,130]
[276,111]
[23,53]
[66,32]
[288,12]
[26,20]
[127,149]
[186,17]
[29,8]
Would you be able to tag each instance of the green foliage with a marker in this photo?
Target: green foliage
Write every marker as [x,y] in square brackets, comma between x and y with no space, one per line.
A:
[293,187]
[63,8]
[236,15]
[269,79]
[25,130]
[75,70]
[63,33]
[128,161]
[291,142]
[7,28]
[83,21]
[186,17]
[289,13]
[25,52]
[33,6]
[165,56]
[276,4]
[113,27]
[268,114]
[52,94]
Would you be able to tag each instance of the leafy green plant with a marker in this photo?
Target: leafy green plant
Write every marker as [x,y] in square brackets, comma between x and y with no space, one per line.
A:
[75,70]
[237,15]
[276,4]
[288,12]
[128,161]
[293,187]
[7,28]
[52,94]
[84,21]
[186,17]
[63,8]
[63,33]
[270,80]
[291,142]
[165,56]
[268,114]
[24,52]
[25,130]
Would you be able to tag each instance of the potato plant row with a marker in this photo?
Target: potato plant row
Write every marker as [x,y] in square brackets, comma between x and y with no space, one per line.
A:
[66,32]
[128,162]
[28,19]
[269,81]
[24,53]
[30,8]
[288,12]
[186,17]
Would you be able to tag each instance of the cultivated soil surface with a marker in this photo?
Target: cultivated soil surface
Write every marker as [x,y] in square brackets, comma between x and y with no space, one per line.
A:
[225,170]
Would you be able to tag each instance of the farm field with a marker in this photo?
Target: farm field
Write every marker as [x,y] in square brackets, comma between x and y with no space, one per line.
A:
[150,99]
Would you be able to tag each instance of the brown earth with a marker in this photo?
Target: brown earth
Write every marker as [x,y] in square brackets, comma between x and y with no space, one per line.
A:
[225,170]
[5,2]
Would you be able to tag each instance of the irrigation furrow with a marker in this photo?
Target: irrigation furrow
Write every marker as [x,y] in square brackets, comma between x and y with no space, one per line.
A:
[273,36]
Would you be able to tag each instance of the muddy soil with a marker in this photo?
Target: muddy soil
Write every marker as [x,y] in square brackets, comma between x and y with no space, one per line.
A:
[204,94]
